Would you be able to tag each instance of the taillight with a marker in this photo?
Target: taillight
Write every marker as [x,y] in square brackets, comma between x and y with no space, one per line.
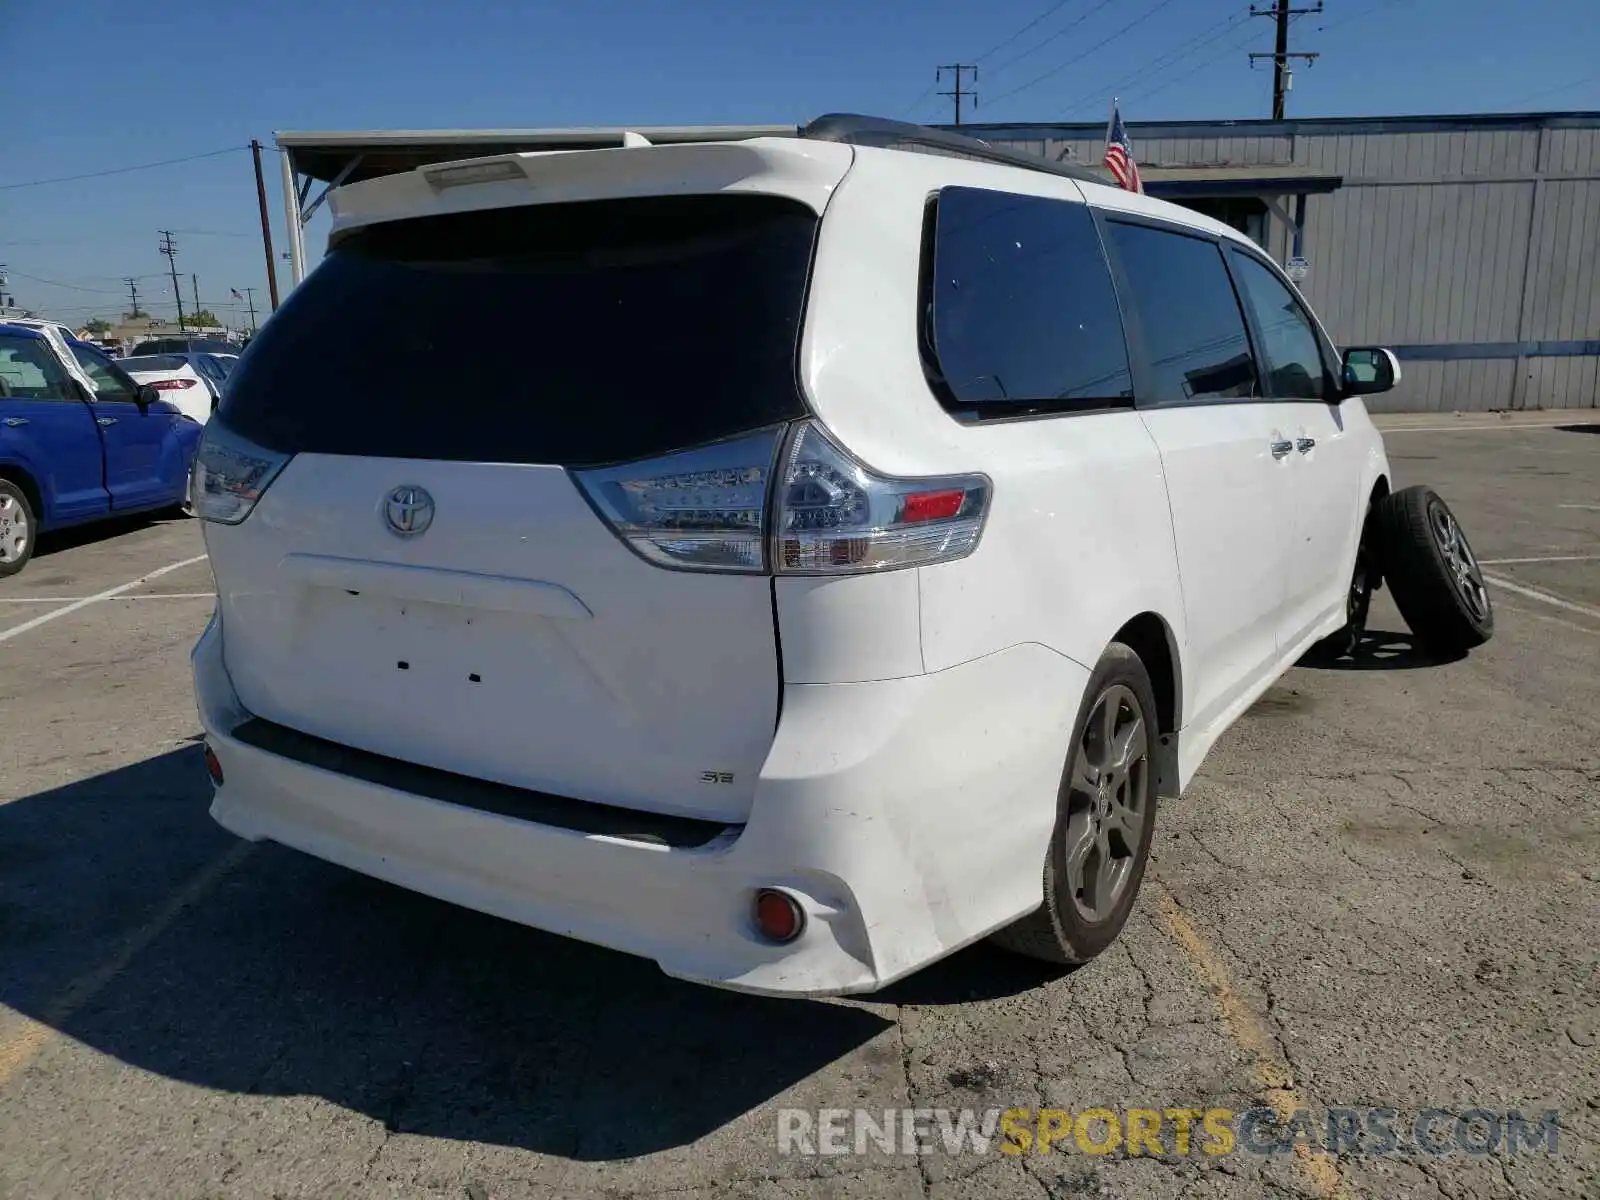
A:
[742,506]
[172,385]
[703,509]
[230,474]
[835,516]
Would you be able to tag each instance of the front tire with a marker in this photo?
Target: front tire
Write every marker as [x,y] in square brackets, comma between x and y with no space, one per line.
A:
[1357,603]
[1105,818]
[18,529]
[1432,572]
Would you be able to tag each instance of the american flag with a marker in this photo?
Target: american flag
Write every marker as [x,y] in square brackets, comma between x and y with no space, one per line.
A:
[237,295]
[1119,154]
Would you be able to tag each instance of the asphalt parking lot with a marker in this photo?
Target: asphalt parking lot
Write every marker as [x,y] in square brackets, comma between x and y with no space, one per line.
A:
[1382,891]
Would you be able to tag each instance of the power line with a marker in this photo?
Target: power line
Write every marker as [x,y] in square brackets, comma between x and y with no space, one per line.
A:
[1227,51]
[1001,45]
[1043,42]
[72,287]
[169,162]
[1139,20]
[1171,58]
[1565,87]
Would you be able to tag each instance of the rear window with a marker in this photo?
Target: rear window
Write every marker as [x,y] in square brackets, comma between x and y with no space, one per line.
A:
[154,362]
[639,326]
[1021,313]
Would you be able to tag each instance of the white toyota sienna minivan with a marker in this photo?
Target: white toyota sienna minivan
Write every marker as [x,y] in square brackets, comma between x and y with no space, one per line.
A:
[846,540]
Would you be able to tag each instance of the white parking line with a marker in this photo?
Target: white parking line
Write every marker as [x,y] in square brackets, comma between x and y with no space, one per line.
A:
[44,618]
[1507,427]
[1536,594]
[75,599]
[1585,507]
[1505,562]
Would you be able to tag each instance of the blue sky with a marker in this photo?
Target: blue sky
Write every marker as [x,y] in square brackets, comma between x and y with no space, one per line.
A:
[94,85]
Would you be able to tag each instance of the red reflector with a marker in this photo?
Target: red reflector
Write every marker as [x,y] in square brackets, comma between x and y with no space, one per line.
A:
[172,385]
[932,506]
[779,916]
[213,767]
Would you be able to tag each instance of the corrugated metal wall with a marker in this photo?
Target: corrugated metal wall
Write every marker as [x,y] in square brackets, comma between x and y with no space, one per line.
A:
[1475,250]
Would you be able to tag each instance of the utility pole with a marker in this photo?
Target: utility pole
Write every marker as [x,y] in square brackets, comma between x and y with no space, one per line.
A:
[170,249]
[133,294]
[1282,77]
[250,297]
[194,282]
[266,225]
[957,93]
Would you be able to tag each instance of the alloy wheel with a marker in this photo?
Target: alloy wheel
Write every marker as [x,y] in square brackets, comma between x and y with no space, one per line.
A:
[1107,802]
[1459,562]
[14,529]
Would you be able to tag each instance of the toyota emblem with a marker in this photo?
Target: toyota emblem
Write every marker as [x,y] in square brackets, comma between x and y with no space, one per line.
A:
[408,510]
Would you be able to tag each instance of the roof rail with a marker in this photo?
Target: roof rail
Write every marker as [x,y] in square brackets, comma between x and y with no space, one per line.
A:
[856,130]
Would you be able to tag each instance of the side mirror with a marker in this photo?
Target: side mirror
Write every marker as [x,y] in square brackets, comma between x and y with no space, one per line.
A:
[1369,369]
[146,396]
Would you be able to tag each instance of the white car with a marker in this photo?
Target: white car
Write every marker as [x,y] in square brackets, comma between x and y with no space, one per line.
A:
[866,539]
[191,382]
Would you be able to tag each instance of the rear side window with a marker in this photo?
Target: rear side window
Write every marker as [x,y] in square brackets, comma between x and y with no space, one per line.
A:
[573,334]
[1188,316]
[1021,315]
[29,371]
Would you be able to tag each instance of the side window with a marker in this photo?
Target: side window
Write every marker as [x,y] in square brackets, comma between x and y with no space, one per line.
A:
[1021,314]
[1193,332]
[28,370]
[1293,362]
[108,383]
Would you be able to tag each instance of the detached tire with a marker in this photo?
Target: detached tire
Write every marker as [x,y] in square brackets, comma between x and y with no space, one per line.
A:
[18,529]
[1431,570]
[1105,817]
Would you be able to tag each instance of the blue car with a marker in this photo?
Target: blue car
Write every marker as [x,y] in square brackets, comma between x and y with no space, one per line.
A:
[69,456]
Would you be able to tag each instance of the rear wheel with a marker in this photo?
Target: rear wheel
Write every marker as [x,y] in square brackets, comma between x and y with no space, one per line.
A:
[1432,571]
[18,528]
[1106,812]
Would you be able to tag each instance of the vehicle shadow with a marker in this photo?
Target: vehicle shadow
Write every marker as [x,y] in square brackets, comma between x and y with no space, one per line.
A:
[285,976]
[1381,650]
[75,536]
[1579,428]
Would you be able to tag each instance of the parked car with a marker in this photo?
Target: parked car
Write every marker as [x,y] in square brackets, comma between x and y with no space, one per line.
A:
[870,537]
[193,380]
[60,337]
[69,454]
[186,345]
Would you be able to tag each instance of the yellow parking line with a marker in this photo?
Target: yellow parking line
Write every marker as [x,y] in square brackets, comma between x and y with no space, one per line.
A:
[19,1048]
[1272,1074]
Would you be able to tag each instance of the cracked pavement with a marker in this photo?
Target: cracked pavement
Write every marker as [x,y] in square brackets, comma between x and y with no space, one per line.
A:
[1383,889]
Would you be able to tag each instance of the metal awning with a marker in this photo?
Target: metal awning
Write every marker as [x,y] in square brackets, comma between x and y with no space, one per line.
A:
[1199,180]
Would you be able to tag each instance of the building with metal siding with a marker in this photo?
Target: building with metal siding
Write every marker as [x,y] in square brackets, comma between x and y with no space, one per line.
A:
[1469,244]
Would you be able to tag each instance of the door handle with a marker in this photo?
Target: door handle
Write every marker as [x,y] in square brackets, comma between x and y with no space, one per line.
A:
[105,420]
[15,421]
[1305,445]
[1280,449]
